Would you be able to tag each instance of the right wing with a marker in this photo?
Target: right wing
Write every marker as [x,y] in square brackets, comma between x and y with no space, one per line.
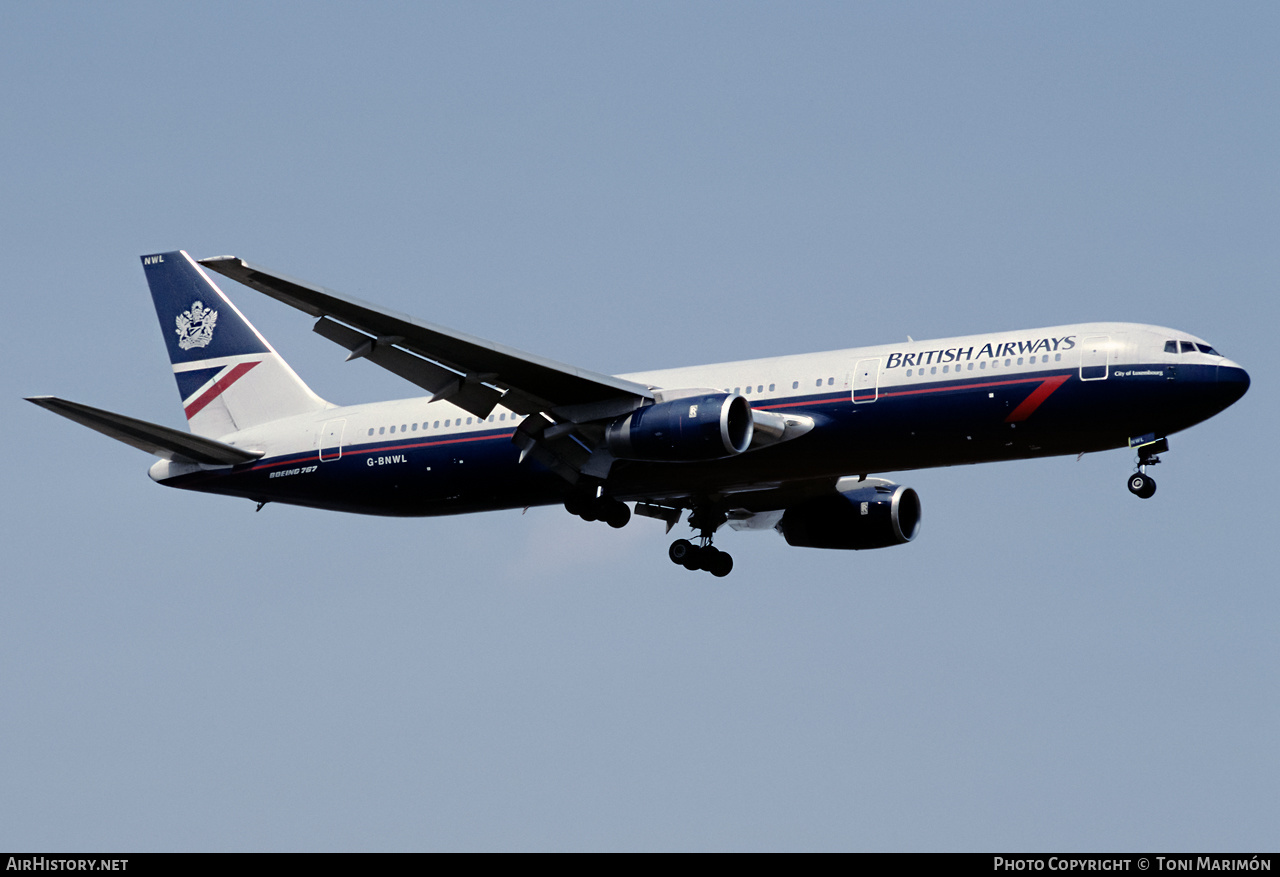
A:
[470,372]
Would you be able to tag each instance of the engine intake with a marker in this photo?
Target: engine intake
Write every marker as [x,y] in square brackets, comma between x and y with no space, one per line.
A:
[703,427]
[874,513]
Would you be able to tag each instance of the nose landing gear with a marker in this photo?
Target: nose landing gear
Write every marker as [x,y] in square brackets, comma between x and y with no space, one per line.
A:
[1141,484]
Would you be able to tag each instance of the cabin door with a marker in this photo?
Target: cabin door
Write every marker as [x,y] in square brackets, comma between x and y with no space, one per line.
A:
[330,440]
[866,381]
[1094,352]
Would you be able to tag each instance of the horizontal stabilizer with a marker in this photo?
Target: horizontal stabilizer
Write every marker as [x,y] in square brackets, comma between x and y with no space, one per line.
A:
[163,441]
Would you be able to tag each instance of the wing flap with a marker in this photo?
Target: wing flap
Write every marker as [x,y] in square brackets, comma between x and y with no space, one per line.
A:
[533,383]
[442,383]
[163,441]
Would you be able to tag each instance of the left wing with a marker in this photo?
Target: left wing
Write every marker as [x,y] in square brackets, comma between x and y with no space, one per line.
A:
[163,441]
[470,372]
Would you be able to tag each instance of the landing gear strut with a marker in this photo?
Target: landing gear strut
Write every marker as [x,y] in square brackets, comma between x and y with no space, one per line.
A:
[700,553]
[1140,483]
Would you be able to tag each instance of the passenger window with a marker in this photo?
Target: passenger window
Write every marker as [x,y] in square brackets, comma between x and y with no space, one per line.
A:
[760,389]
[446,424]
[771,388]
[468,421]
[1057,357]
[970,366]
[819,383]
[491,418]
[1019,360]
[371,430]
[382,430]
[945,369]
[795,385]
[415,427]
[737,390]
[437,424]
[933,370]
[393,429]
[748,391]
[502,417]
[1008,362]
[831,382]
[403,428]
[908,372]
[981,365]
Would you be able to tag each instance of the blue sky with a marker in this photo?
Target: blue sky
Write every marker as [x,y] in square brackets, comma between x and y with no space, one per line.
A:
[1051,665]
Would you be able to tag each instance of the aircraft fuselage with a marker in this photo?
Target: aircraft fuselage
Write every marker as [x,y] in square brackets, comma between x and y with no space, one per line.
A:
[918,404]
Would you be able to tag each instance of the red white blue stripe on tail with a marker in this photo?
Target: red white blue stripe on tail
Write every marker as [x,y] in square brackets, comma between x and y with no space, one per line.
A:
[229,377]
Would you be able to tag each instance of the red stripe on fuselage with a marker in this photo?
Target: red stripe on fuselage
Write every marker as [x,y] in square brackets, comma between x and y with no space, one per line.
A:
[1052,382]
[349,451]
[802,403]
[219,386]
[980,385]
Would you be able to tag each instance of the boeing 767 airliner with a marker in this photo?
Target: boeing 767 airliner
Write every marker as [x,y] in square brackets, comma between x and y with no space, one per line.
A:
[790,443]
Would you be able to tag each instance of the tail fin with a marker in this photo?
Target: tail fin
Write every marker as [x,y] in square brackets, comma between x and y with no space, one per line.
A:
[229,377]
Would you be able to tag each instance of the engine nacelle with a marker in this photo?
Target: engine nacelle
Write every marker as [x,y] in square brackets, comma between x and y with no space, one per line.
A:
[874,513]
[703,427]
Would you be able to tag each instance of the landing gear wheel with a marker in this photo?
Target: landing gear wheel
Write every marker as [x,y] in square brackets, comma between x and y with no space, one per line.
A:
[721,564]
[681,551]
[617,515]
[1142,485]
[696,559]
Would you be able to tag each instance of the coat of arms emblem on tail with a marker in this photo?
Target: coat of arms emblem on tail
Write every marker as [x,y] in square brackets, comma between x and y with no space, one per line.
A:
[195,327]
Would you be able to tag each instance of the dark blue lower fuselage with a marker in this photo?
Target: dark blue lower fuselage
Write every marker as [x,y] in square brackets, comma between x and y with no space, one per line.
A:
[914,425]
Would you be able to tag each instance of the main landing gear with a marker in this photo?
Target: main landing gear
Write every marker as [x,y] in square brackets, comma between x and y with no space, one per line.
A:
[694,557]
[701,554]
[1141,484]
[590,507]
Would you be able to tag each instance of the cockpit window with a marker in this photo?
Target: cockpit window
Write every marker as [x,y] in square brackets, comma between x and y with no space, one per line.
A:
[1189,347]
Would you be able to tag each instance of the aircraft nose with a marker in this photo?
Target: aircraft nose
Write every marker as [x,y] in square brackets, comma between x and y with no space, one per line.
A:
[1233,382]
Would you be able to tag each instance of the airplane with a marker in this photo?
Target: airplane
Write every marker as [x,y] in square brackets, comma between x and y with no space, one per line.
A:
[795,444]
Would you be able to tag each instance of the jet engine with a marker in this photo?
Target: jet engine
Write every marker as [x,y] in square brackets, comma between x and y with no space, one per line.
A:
[702,427]
[873,513]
